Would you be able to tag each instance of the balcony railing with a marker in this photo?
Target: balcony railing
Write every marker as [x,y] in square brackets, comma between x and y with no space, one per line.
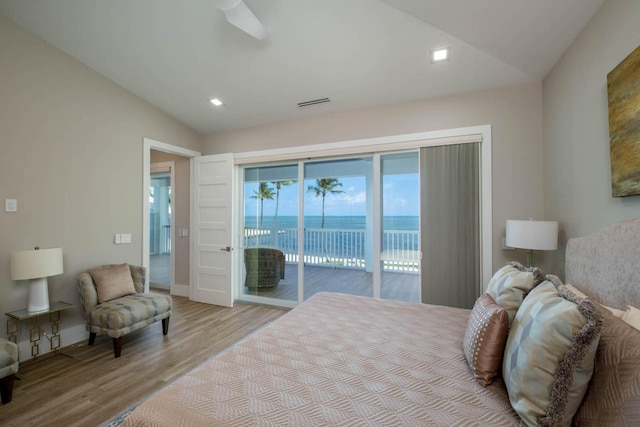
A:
[345,248]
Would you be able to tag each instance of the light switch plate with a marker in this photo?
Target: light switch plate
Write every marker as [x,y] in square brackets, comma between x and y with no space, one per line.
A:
[125,238]
[117,239]
[10,205]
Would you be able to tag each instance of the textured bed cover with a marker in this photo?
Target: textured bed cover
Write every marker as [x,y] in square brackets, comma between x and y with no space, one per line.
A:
[337,360]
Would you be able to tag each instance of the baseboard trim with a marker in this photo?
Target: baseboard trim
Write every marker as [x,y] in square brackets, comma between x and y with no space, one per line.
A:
[180,290]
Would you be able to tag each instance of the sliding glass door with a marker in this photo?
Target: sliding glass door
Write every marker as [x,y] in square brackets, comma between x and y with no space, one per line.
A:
[270,240]
[338,231]
[400,256]
[402,226]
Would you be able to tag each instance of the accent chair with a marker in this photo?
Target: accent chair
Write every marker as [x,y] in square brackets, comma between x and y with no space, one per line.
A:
[115,304]
[8,368]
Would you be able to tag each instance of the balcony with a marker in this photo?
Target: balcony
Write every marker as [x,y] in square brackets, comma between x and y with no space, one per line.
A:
[341,260]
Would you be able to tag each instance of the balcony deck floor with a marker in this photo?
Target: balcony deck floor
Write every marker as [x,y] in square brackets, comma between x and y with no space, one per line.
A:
[399,286]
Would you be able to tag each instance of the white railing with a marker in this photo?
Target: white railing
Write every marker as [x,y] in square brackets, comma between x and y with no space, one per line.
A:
[341,247]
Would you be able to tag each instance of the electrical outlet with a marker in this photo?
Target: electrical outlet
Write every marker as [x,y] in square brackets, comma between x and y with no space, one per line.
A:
[10,205]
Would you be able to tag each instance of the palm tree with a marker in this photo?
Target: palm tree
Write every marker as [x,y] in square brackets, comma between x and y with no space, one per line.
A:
[274,231]
[323,187]
[263,192]
[279,185]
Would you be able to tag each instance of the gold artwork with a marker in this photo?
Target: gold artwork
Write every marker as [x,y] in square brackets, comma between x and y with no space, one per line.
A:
[623,87]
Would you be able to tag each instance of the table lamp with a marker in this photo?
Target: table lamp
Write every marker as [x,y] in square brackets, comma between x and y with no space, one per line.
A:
[532,235]
[37,265]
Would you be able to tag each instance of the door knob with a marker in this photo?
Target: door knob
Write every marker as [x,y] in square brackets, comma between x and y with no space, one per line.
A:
[227,249]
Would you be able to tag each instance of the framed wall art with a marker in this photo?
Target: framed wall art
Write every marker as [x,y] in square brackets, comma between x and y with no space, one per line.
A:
[623,88]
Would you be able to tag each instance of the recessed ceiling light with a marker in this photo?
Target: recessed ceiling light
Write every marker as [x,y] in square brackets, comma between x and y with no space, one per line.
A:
[216,102]
[439,55]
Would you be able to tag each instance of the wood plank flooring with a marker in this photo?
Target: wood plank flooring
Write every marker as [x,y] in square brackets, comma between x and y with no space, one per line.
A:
[85,385]
[397,286]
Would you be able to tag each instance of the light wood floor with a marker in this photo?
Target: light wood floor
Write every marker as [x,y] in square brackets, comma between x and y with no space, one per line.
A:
[84,385]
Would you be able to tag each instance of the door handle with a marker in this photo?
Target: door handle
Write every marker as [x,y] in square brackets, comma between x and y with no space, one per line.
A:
[227,249]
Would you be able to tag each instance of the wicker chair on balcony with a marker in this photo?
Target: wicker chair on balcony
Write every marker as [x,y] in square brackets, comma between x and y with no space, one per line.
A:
[264,266]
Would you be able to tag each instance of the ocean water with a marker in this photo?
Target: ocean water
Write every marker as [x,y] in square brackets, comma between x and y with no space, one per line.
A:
[342,236]
[333,222]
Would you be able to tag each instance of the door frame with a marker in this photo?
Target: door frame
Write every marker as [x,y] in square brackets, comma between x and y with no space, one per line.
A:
[148,145]
[480,133]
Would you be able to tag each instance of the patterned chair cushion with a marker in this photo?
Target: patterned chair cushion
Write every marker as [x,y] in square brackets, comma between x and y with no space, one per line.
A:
[485,339]
[8,358]
[126,314]
[511,284]
[549,357]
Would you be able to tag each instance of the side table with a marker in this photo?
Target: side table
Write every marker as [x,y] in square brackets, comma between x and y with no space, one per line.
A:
[35,332]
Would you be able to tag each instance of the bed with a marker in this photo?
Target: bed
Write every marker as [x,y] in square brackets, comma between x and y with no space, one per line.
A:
[348,360]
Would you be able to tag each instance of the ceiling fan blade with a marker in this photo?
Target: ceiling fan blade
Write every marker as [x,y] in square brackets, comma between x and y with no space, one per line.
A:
[239,15]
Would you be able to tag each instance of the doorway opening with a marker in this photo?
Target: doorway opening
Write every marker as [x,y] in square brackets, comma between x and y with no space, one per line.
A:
[161,228]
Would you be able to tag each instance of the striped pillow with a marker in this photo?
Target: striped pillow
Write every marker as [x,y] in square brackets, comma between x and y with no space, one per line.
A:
[485,339]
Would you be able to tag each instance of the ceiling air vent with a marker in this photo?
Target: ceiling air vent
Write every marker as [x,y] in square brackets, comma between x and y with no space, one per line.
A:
[312,103]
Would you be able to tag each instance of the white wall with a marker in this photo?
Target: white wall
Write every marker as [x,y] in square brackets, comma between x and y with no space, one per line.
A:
[515,114]
[577,168]
[71,154]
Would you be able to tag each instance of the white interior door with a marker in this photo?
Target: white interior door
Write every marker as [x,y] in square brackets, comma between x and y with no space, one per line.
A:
[211,263]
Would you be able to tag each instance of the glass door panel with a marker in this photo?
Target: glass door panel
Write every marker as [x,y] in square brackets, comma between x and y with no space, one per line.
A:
[271,232]
[400,256]
[338,227]
[160,228]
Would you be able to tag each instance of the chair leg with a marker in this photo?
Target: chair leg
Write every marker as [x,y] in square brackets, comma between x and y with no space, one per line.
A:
[92,338]
[165,326]
[6,387]
[117,346]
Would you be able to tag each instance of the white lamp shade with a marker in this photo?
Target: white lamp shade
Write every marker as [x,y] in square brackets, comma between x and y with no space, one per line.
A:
[533,235]
[35,264]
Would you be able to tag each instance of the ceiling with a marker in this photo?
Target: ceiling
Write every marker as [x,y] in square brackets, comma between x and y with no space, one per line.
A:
[177,54]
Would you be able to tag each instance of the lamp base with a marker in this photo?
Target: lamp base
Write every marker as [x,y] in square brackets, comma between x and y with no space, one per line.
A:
[531,258]
[38,295]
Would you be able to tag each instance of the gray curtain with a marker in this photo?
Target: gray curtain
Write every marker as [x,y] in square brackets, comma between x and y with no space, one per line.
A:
[450,224]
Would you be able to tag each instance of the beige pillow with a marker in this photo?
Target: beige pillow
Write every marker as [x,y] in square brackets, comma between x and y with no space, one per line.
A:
[549,356]
[576,291]
[112,282]
[485,339]
[613,398]
[615,311]
[632,317]
[511,284]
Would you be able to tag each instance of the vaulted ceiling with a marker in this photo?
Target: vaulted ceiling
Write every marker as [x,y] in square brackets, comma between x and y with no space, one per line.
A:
[177,54]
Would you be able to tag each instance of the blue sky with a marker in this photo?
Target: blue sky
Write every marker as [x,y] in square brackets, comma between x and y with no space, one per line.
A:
[400,194]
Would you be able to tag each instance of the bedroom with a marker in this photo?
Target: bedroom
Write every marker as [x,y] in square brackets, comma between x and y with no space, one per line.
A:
[550,148]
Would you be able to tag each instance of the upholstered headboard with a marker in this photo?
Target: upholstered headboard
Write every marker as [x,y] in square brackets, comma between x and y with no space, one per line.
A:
[606,264]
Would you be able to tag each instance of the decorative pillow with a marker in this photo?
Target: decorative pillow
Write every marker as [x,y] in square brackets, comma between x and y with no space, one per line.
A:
[613,398]
[511,284]
[485,339]
[549,356]
[615,311]
[112,282]
[576,291]
[632,317]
